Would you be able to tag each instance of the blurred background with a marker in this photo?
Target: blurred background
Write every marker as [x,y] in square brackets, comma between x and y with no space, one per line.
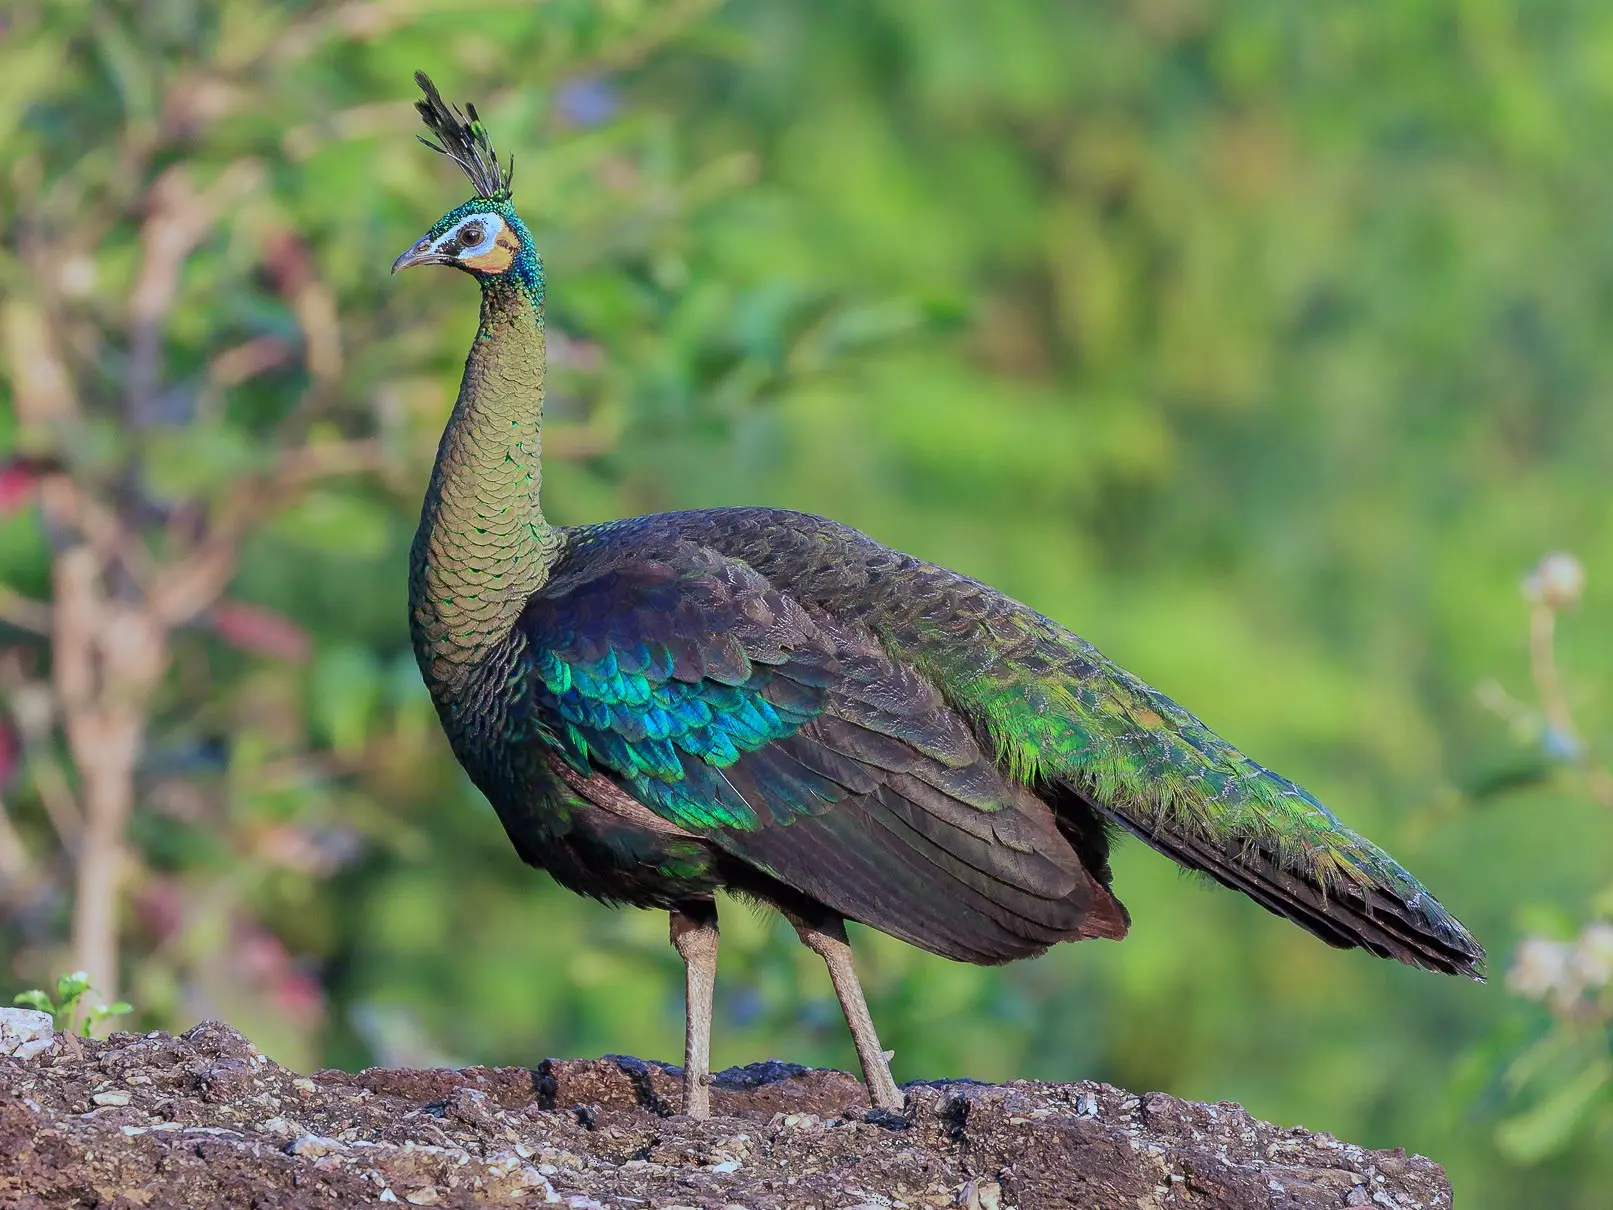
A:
[1269,346]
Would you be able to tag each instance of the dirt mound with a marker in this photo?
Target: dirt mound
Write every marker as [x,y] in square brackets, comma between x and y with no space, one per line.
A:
[203,1119]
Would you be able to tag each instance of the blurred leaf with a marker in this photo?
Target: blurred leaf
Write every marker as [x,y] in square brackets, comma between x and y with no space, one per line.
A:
[1543,1131]
[1517,769]
[70,987]
[1554,920]
[196,460]
[344,693]
[336,523]
[1602,904]
[35,999]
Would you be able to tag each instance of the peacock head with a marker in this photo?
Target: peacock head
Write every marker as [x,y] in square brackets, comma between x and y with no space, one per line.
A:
[484,236]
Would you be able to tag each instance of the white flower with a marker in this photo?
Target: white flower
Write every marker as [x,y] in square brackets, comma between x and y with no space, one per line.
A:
[1557,582]
[1592,961]
[1540,968]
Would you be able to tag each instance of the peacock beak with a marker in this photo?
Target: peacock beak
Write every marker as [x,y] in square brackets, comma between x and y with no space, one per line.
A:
[423,253]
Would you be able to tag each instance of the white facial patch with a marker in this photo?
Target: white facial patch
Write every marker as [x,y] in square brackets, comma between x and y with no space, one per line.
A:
[490,227]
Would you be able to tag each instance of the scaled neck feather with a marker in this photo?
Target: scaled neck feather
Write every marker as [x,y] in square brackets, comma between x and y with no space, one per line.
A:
[483,547]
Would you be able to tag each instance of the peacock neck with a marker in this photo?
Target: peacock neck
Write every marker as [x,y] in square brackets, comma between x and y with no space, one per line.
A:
[483,546]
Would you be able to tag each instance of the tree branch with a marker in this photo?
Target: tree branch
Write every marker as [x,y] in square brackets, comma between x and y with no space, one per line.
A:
[33,709]
[188,588]
[178,220]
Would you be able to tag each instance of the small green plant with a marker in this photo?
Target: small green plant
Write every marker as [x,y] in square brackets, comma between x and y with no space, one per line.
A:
[67,1009]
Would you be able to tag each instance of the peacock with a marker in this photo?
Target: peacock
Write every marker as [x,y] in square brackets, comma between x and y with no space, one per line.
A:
[775,705]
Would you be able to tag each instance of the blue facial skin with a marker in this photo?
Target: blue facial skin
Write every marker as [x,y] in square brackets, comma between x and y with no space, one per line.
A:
[525,269]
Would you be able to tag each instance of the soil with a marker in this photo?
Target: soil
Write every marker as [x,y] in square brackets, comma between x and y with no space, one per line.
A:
[203,1119]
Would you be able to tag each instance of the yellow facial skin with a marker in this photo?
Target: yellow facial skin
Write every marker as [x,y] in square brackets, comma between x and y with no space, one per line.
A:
[496,259]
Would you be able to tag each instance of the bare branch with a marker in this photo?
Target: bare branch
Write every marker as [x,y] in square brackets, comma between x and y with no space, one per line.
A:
[1557,584]
[69,505]
[244,361]
[108,656]
[33,708]
[186,589]
[56,793]
[290,264]
[42,389]
[77,590]
[179,219]
[1543,666]
[301,465]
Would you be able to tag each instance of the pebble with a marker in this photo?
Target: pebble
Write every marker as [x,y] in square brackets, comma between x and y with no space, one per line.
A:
[111,1098]
[26,1033]
[312,1146]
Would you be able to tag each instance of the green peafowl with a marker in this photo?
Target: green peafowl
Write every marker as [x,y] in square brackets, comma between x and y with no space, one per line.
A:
[775,705]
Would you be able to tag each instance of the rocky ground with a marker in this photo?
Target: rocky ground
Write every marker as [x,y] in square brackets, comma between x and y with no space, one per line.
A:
[203,1119]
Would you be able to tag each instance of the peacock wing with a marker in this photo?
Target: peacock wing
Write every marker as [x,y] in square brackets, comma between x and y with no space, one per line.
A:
[797,743]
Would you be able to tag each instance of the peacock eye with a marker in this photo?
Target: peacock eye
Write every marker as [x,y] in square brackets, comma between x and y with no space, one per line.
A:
[470,235]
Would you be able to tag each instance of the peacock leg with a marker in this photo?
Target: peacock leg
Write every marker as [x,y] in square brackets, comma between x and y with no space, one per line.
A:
[829,943]
[694,935]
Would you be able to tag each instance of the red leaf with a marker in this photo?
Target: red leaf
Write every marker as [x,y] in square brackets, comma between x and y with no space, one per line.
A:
[10,752]
[263,631]
[17,482]
[161,907]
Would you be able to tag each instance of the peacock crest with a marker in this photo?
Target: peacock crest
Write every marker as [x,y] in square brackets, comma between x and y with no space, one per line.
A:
[466,143]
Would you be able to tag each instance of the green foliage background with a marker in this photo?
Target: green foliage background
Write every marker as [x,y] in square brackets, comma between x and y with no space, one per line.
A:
[1265,344]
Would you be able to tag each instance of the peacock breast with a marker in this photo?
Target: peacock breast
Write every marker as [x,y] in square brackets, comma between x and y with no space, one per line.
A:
[486,716]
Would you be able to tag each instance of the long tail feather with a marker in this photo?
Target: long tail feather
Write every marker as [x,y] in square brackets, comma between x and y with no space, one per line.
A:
[1061,714]
[1392,917]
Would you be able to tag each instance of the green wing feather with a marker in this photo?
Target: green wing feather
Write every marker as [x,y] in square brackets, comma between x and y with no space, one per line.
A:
[1063,716]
